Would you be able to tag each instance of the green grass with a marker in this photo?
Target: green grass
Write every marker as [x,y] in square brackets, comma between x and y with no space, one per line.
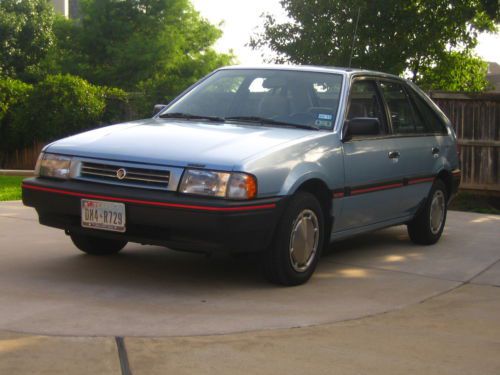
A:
[10,188]
[471,202]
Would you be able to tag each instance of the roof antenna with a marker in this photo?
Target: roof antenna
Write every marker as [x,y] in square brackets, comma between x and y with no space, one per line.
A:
[354,36]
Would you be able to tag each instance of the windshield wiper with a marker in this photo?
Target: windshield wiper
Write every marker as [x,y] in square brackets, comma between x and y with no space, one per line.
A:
[263,120]
[188,116]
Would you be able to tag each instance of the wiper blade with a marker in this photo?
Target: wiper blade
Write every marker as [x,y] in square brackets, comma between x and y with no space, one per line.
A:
[263,120]
[188,116]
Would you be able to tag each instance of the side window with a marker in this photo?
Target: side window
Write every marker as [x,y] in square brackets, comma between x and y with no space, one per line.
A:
[364,101]
[401,111]
[431,121]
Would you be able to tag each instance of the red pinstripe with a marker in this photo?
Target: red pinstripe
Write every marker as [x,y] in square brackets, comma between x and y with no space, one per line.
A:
[152,203]
[420,180]
[376,188]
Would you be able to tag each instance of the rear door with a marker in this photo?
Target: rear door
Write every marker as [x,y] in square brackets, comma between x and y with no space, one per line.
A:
[419,143]
[372,194]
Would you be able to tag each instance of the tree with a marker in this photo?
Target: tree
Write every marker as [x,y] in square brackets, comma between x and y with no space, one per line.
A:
[457,71]
[25,35]
[123,43]
[392,35]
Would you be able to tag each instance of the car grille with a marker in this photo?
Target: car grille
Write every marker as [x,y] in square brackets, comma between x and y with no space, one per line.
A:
[143,177]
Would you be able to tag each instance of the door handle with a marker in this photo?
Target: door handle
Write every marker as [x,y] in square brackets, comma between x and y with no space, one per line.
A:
[394,155]
[435,151]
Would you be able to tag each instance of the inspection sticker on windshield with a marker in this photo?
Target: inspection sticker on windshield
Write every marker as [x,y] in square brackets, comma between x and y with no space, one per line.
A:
[324,120]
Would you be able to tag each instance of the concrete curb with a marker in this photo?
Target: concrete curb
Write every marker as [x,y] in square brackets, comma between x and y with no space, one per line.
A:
[17,172]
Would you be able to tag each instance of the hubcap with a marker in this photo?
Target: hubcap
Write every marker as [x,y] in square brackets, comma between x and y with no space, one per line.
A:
[304,240]
[438,208]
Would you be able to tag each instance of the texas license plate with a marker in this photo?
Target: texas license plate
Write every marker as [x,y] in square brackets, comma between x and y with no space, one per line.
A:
[103,215]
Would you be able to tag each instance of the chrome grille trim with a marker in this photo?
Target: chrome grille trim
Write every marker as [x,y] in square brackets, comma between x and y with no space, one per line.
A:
[135,176]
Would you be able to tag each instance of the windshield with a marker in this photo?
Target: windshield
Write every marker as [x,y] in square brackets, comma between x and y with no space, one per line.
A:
[285,97]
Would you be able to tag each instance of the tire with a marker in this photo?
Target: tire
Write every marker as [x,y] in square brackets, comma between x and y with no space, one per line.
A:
[423,230]
[96,245]
[281,264]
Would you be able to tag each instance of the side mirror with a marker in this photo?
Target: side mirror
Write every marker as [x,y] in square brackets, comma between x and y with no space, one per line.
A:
[360,126]
[158,108]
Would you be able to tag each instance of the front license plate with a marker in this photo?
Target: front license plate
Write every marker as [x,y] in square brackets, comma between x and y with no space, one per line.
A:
[103,215]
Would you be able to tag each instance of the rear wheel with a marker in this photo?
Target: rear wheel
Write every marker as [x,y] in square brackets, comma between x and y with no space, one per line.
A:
[96,245]
[427,226]
[294,254]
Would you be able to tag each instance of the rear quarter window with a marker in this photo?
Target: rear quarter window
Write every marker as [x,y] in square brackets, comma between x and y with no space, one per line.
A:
[431,121]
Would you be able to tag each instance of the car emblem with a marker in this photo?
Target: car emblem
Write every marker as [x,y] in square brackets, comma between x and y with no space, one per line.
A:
[121,173]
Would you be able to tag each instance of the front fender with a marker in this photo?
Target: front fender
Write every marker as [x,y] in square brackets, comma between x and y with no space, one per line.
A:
[302,173]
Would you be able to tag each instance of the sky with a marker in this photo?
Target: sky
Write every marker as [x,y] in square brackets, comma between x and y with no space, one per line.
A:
[241,18]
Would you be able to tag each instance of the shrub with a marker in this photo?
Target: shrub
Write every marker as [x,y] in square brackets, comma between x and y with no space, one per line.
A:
[13,94]
[117,105]
[59,106]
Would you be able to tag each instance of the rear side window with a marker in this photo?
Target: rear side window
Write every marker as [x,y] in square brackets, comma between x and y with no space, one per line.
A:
[431,121]
[401,111]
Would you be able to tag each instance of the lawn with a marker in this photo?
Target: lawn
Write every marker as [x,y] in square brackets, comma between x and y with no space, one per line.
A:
[10,188]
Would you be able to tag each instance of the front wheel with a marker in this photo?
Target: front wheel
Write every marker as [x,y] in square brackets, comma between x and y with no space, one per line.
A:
[427,226]
[96,245]
[293,256]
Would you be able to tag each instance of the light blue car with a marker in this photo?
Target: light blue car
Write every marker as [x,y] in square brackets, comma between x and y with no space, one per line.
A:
[280,160]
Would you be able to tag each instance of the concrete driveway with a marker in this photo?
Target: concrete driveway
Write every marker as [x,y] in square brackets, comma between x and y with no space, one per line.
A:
[377,304]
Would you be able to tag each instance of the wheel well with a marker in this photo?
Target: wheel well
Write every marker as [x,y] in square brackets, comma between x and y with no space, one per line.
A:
[445,176]
[320,190]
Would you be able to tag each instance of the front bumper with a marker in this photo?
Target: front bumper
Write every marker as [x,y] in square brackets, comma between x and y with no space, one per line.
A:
[160,218]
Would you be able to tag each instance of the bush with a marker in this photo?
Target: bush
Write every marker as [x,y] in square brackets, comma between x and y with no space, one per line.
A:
[13,94]
[118,107]
[59,106]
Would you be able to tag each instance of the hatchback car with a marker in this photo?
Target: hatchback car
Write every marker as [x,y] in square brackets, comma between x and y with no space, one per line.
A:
[279,160]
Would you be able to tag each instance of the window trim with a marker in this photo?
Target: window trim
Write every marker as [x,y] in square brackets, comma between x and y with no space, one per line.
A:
[382,104]
[390,135]
[410,102]
[412,94]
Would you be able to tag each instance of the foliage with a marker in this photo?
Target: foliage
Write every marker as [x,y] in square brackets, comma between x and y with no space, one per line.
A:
[392,35]
[124,43]
[154,47]
[456,72]
[25,35]
[117,105]
[58,106]
[13,94]
[60,57]
[10,188]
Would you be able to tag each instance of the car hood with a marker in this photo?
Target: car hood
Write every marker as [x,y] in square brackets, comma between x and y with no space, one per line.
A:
[178,143]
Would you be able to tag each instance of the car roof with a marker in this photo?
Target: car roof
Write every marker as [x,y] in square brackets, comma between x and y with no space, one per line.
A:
[317,68]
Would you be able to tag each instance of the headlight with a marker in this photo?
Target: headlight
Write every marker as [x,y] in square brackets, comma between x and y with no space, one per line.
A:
[218,184]
[52,165]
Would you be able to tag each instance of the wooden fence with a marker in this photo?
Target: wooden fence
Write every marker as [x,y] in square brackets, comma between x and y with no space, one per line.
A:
[21,159]
[476,119]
